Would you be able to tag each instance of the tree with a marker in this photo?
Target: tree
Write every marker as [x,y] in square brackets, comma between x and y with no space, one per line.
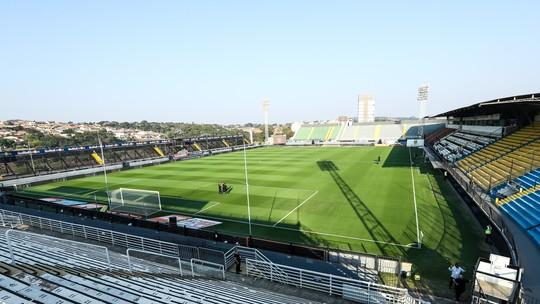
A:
[7,144]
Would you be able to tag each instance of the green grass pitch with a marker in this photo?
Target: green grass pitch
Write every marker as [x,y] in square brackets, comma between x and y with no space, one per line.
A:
[330,197]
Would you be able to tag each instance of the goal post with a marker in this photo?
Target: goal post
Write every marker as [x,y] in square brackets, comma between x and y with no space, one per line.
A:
[136,201]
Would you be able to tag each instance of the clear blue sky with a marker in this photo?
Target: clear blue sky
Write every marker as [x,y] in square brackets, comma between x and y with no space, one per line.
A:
[214,61]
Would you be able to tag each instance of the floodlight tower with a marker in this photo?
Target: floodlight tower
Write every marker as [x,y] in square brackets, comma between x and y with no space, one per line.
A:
[422,99]
[266,106]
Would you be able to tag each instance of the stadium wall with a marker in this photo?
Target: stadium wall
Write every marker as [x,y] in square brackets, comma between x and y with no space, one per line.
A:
[77,173]
[44,178]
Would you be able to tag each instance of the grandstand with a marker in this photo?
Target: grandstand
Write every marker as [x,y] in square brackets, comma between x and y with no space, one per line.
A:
[491,150]
[361,216]
[384,132]
[17,164]
[76,271]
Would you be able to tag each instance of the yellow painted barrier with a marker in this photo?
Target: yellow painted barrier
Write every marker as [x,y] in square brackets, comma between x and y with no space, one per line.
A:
[158,151]
[97,158]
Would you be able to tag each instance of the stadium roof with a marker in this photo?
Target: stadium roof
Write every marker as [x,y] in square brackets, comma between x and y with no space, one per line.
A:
[493,106]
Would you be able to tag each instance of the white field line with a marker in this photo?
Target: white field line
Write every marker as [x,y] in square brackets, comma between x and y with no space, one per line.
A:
[307,199]
[414,199]
[297,230]
[206,208]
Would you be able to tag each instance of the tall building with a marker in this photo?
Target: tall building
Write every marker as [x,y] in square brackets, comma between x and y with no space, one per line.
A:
[366,108]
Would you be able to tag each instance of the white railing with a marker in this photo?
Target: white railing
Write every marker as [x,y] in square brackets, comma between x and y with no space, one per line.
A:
[356,290]
[105,236]
[10,221]
[128,254]
[207,265]
[128,241]
[366,261]
[245,253]
[257,264]
[29,237]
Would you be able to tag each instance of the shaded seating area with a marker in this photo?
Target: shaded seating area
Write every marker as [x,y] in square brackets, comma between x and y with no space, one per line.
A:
[505,159]
[454,145]
[525,211]
[501,147]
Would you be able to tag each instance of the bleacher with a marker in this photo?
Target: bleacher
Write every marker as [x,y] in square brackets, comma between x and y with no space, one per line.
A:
[438,134]
[523,182]
[507,166]
[19,164]
[524,208]
[51,270]
[501,147]
[81,272]
[454,145]
[317,133]
[383,132]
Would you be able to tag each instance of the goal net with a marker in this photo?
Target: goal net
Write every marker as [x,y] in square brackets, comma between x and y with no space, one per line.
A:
[135,201]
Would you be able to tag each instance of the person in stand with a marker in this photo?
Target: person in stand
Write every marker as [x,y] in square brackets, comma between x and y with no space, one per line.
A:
[459,284]
[237,261]
[455,273]
[488,232]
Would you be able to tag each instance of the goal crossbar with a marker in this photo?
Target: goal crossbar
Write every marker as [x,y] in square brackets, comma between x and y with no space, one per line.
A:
[137,201]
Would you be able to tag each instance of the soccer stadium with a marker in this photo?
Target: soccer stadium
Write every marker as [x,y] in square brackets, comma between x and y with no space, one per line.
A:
[365,212]
[280,152]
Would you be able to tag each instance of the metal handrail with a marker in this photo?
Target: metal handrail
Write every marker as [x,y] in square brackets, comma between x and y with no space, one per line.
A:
[152,253]
[12,254]
[203,262]
[106,236]
[10,220]
[328,283]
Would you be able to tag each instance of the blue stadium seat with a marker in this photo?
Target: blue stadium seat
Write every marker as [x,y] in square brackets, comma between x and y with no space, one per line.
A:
[535,234]
[514,213]
[525,210]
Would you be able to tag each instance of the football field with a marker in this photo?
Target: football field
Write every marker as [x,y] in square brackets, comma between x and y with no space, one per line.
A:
[330,197]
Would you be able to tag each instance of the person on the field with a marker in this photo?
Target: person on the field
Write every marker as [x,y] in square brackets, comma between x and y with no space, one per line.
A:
[378,159]
[220,188]
[455,273]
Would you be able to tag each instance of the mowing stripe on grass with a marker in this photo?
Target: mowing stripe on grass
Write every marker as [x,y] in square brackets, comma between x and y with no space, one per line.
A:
[414,199]
[307,199]
[296,230]
[84,193]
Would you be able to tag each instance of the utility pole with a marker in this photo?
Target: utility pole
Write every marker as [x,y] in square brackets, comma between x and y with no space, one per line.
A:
[266,106]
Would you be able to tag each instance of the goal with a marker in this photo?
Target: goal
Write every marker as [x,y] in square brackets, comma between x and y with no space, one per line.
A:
[135,201]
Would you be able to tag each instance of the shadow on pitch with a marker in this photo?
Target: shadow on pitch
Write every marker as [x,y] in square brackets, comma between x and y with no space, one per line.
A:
[399,157]
[460,238]
[375,228]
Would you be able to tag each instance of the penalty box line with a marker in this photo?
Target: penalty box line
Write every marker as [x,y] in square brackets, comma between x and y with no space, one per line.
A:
[305,201]
[206,208]
[299,230]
